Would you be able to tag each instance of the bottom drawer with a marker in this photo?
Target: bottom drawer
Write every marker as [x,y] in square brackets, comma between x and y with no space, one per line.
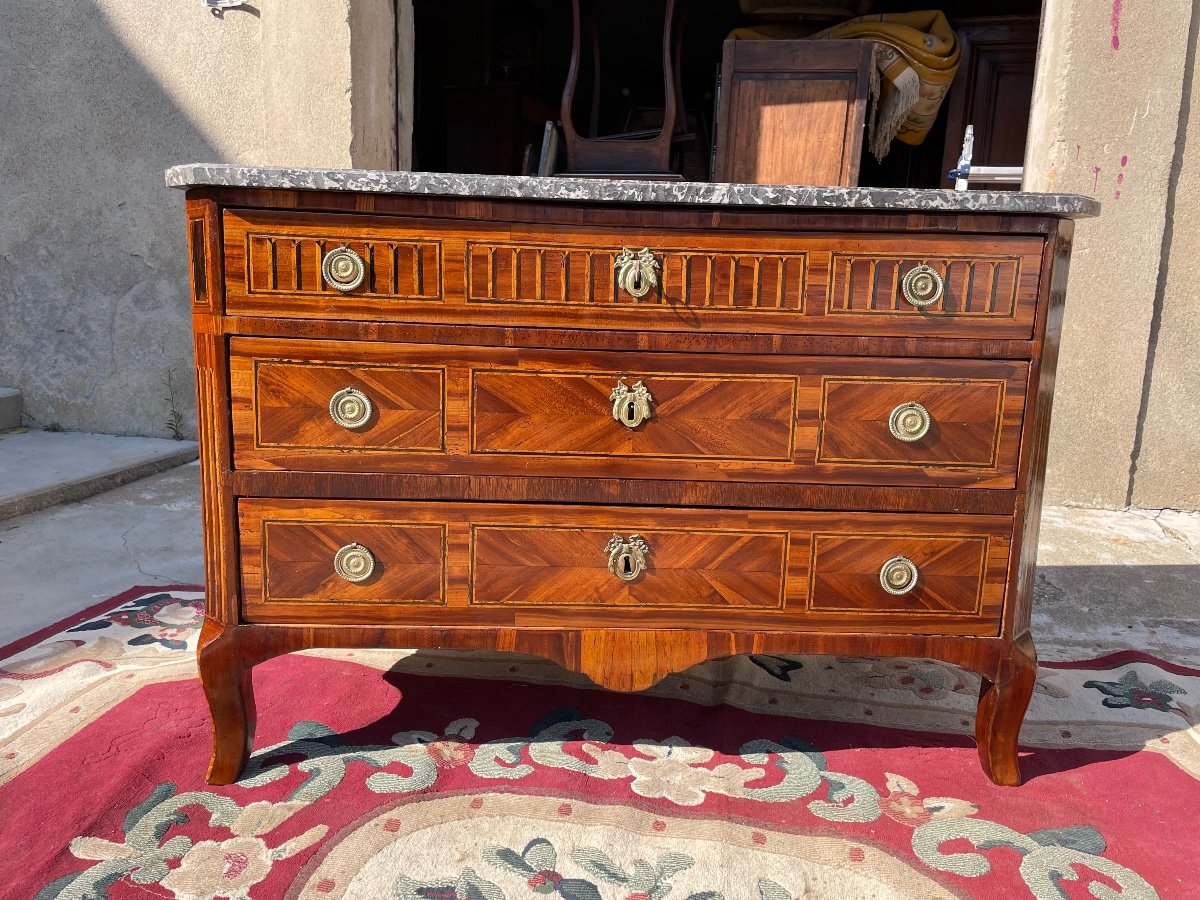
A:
[379,562]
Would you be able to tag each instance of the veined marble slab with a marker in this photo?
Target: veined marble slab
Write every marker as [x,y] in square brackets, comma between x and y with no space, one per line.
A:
[606,190]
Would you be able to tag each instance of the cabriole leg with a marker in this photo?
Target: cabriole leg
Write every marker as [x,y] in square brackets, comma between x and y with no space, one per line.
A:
[230,692]
[1002,705]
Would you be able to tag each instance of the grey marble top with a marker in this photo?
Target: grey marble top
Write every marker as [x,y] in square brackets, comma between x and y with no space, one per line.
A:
[699,193]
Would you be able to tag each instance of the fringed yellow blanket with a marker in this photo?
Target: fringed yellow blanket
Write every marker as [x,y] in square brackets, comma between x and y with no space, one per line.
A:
[916,57]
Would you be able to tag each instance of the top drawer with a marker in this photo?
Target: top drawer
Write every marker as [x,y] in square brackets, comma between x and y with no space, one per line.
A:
[318,265]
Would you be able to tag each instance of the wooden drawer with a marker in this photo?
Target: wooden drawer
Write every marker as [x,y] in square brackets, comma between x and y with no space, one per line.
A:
[443,271]
[530,564]
[463,410]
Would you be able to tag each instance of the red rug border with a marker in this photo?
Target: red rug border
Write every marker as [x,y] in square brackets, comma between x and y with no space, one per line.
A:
[1122,658]
[24,643]
[1107,661]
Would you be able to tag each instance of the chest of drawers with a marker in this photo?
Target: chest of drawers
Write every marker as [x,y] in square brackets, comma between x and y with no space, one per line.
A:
[626,427]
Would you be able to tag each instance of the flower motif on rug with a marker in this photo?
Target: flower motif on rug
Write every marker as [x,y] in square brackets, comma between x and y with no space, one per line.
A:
[778,667]
[53,657]
[236,856]
[925,677]
[166,620]
[903,804]
[1131,691]
[202,845]
[216,867]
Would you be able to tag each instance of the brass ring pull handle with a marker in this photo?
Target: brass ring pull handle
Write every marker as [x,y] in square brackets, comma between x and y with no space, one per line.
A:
[627,558]
[354,563]
[343,269]
[636,274]
[899,575]
[350,408]
[909,422]
[922,286]
[631,405]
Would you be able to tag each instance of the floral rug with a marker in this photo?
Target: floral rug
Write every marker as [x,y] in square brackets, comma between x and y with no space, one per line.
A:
[450,775]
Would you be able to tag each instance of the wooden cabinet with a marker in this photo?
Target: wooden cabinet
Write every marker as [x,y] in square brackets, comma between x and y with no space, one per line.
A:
[792,112]
[462,422]
[993,91]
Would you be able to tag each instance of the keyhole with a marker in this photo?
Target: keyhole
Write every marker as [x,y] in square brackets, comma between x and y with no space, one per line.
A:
[627,564]
[630,411]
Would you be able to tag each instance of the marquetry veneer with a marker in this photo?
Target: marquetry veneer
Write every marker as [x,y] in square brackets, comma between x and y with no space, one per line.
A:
[453,422]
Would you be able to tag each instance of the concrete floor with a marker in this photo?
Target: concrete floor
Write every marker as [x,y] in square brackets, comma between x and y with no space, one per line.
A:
[1106,580]
[39,469]
[60,560]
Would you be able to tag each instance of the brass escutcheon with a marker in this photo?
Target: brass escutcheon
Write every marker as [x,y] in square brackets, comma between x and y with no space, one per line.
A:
[898,575]
[627,558]
[631,405]
[636,274]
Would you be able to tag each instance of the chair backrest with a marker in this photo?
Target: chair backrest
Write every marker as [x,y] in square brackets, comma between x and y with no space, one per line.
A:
[617,155]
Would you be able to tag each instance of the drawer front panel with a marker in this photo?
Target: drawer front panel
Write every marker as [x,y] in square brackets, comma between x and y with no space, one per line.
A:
[952,573]
[562,275]
[274,264]
[561,566]
[868,286]
[504,411]
[442,271]
[296,560]
[557,566]
[701,417]
[966,421]
[295,404]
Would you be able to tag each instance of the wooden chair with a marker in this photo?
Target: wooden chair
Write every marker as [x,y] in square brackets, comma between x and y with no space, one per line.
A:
[634,154]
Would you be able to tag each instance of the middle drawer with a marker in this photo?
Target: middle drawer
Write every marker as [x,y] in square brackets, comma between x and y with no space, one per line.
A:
[339,406]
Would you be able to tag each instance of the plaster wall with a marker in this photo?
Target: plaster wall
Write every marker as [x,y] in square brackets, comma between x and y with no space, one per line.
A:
[1167,464]
[99,98]
[1105,122]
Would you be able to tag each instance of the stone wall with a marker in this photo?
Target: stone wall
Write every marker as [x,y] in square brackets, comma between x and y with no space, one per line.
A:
[1110,119]
[99,98]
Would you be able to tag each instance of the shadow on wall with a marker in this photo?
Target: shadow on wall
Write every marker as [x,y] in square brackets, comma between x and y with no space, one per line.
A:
[93,287]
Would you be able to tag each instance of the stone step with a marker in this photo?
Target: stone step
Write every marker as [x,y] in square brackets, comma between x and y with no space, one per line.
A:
[10,408]
[44,468]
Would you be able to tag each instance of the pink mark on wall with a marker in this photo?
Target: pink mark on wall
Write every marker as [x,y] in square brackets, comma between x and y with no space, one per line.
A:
[1121,177]
[1076,153]
[1116,24]
[1095,178]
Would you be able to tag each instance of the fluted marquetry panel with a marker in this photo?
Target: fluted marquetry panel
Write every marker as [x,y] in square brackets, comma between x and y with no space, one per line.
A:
[564,275]
[866,284]
[291,264]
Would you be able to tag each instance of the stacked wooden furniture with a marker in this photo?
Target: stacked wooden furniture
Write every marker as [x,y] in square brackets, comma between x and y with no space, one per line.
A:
[792,112]
[627,434]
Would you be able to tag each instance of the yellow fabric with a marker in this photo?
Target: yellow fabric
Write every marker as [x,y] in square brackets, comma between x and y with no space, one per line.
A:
[916,57]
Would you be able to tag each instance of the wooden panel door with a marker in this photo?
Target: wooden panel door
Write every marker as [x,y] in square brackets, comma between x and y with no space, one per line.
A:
[992,91]
[792,112]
